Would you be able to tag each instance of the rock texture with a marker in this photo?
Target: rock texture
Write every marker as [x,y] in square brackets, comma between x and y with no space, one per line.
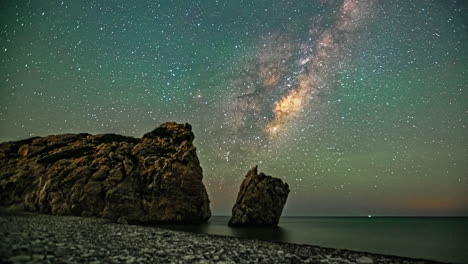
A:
[260,201]
[157,178]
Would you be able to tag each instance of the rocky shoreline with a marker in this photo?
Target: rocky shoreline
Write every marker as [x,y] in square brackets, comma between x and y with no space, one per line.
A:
[155,178]
[38,238]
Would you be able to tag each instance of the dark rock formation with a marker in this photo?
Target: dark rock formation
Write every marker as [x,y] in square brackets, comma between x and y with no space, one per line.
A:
[260,201]
[157,178]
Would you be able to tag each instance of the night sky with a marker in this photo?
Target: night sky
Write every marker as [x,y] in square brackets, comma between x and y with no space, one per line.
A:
[360,106]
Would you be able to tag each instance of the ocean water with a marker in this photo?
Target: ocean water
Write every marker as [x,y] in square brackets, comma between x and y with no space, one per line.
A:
[436,238]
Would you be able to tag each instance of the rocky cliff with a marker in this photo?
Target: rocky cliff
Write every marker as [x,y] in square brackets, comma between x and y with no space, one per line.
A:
[156,178]
[260,200]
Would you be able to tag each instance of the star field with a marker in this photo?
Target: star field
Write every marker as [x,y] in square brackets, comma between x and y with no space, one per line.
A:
[360,106]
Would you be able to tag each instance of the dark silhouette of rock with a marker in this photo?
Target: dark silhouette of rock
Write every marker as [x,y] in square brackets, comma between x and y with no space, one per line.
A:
[260,201]
[157,178]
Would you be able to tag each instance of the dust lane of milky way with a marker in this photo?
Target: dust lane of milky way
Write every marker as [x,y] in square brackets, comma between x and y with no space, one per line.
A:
[319,66]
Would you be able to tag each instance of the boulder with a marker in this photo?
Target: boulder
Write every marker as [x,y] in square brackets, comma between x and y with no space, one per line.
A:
[260,200]
[156,178]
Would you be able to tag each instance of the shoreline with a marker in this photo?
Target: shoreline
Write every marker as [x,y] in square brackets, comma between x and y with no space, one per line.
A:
[38,238]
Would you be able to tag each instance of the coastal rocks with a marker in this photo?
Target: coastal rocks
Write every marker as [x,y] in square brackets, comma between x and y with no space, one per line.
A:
[260,200]
[157,178]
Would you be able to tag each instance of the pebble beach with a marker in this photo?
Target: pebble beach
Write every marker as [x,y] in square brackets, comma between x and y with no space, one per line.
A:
[38,238]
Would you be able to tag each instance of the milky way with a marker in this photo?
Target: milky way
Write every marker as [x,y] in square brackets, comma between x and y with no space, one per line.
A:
[323,62]
[298,83]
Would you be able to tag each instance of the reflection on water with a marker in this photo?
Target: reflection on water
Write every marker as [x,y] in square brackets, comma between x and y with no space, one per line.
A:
[218,226]
[264,233]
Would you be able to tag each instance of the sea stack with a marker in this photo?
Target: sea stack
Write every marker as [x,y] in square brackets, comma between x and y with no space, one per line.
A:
[156,178]
[260,200]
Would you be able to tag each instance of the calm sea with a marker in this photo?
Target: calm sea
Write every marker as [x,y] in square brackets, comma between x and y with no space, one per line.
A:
[437,238]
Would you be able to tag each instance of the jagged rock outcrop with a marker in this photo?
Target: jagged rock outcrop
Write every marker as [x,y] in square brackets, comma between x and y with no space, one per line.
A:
[260,200]
[156,178]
